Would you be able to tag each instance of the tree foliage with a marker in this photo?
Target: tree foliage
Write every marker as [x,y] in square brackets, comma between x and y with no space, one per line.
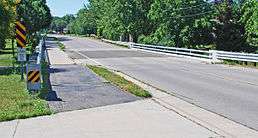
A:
[250,21]
[180,23]
[84,23]
[59,23]
[203,24]
[7,16]
[35,14]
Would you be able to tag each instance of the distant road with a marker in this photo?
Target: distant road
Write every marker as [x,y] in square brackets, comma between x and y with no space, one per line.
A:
[228,91]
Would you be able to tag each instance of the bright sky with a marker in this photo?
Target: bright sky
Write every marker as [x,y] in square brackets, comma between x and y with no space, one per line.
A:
[63,7]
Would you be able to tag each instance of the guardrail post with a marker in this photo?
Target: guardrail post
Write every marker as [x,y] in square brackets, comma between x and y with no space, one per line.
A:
[214,56]
[130,45]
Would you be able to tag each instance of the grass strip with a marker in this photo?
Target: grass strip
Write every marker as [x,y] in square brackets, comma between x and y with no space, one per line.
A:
[120,81]
[61,46]
[15,101]
[241,63]
[6,55]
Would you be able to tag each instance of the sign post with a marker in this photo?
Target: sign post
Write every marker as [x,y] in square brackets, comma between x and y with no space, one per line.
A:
[21,44]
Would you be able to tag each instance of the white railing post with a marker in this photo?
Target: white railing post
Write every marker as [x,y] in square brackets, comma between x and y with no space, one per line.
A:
[130,45]
[214,56]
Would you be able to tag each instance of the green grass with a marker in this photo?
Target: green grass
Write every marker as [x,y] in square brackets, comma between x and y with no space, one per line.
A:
[120,81]
[240,63]
[61,46]
[15,101]
[6,55]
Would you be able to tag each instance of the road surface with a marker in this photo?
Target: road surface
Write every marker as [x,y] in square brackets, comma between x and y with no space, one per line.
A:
[228,91]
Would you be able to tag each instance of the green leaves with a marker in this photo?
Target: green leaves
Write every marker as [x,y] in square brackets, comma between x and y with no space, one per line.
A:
[250,21]
[35,13]
[84,23]
[7,17]
[177,23]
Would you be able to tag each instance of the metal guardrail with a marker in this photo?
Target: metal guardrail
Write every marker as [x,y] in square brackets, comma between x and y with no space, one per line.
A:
[34,69]
[213,55]
[173,50]
[40,54]
[116,42]
[222,55]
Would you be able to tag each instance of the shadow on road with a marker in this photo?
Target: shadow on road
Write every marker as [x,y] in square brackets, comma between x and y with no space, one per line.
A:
[58,70]
[52,96]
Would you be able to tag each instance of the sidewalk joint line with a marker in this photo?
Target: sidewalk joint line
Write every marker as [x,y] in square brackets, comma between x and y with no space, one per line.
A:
[16,127]
[159,102]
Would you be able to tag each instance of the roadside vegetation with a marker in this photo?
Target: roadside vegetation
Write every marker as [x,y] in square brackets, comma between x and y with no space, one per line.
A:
[6,55]
[229,25]
[15,100]
[61,46]
[241,63]
[120,81]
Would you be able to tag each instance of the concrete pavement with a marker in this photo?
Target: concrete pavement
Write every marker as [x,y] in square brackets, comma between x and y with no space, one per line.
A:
[75,87]
[229,91]
[140,119]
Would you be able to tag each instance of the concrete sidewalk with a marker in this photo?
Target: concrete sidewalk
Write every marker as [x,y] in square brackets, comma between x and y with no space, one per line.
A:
[140,119]
[74,87]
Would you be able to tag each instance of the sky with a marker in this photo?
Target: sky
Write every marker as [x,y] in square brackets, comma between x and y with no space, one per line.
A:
[63,7]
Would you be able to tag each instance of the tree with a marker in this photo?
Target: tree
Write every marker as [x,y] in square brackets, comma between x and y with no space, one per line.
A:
[250,21]
[178,21]
[84,23]
[121,18]
[68,18]
[58,24]
[228,32]
[7,16]
[229,25]
[36,15]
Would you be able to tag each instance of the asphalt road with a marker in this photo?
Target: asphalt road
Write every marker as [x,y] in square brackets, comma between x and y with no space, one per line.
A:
[228,91]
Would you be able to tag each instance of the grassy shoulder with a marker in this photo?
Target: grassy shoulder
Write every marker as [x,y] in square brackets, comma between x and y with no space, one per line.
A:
[241,64]
[120,81]
[6,55]
[15,101]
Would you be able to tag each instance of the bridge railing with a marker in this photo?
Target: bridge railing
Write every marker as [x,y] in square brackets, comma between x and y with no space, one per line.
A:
[37,67]
[213,55]
[173,50]
[40,54]
[222,55]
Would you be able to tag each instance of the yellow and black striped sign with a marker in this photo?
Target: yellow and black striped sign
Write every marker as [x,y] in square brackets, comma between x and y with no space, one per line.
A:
[20,34]
[34,76]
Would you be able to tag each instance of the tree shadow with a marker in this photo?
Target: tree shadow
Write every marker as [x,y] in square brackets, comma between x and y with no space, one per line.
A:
[52,96]
[57,70]
[48,94]
[6,52]
[9,70]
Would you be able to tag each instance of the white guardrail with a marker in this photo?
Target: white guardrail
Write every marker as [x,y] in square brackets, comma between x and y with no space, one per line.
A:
[213,55]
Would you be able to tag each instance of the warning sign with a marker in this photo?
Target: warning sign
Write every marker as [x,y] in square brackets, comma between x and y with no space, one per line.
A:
[21,40]
[33,77]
